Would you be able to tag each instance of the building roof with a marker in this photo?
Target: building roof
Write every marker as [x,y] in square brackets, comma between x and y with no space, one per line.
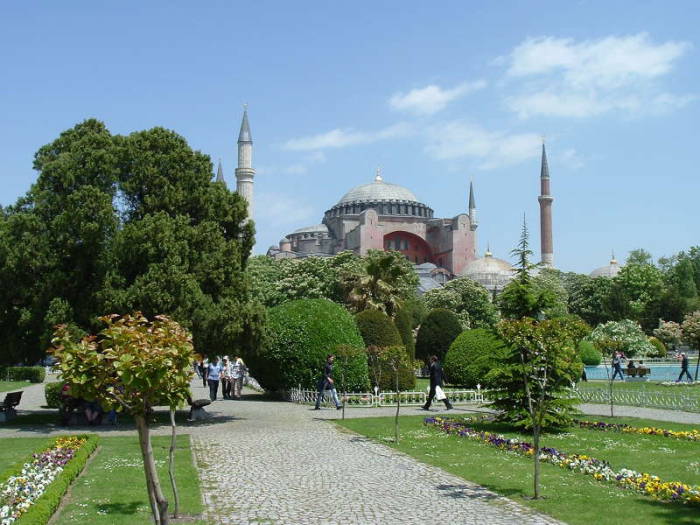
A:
[489,271]
[611,270]
[378,191]
[316,228]
[245,135]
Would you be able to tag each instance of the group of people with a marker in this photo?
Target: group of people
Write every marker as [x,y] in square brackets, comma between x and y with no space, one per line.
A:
[618,357]
[230,374]
[91,410]
[326,383]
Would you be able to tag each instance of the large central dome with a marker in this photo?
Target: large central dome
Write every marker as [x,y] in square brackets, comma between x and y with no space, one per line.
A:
[378,191]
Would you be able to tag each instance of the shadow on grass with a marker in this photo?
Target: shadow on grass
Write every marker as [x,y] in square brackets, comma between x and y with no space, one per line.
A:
[675,513]
[120,508]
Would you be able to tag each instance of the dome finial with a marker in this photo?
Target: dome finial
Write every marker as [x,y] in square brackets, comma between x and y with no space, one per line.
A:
[488,250]
[613,260]
[378,177]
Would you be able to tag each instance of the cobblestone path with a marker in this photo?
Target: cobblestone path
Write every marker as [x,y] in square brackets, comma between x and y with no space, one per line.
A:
[278,463]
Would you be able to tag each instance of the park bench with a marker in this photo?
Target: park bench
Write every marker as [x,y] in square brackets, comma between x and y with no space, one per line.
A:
[636,372]
[7,407]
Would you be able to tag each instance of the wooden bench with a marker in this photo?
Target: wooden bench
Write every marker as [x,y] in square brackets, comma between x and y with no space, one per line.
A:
[7,407]
[636,372]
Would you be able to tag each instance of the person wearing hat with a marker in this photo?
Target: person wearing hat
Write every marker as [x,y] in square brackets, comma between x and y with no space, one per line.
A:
[226,378]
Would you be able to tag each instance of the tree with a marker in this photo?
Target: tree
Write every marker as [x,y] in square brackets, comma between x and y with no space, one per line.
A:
[546,365]
[549,282]
[680,295]
[472,356]
[590,298]
[691,334]
[436,334]
[403,323]
[669,333]
[377,329]
[621,336]
[469,300]
[640,257]
[133,364]
[636,294]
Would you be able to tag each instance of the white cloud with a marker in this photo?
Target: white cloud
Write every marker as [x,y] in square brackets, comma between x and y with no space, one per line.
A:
[493,149]
[562,77]
[432,98]
[571,159]
[340,138]
[281,211]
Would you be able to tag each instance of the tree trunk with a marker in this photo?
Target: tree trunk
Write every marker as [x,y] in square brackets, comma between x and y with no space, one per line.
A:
[159,505]
[398,406]
[697,365]
[171,464]
[612,399]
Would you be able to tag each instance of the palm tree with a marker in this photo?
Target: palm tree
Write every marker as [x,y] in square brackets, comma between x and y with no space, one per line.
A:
[378,286]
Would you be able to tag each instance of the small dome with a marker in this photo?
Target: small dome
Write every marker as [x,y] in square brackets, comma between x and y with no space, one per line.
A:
[317,228]
[378,191]
[611,270]
[490,272]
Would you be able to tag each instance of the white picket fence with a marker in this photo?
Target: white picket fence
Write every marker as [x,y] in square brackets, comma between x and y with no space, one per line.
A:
[672,400]
[381,399]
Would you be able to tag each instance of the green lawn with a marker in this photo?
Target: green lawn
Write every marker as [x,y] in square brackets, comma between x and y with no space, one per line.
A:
[15,450]
[572,497]
[10,386]
[112,489]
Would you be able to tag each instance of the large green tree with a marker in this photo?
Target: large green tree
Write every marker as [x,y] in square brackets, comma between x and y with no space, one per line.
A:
[122,223]
[469,301]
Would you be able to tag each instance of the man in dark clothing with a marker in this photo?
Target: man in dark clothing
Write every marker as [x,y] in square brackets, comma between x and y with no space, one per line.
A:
[326,383]
[617,366]
[436,378]
[684,368]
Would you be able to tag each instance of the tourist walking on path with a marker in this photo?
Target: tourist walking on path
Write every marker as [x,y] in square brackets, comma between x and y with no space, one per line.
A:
[226,377]
[684,368]
[326,383]
[617,365]
[213,376]
[238,371]
[436,378]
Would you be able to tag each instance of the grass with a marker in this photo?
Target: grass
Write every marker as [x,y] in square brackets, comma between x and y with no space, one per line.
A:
[692,391]
[14,450]
[112,489]
[10,386]
[569,496]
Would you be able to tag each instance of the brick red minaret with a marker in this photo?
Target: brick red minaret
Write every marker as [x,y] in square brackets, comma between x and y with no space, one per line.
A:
[545,198]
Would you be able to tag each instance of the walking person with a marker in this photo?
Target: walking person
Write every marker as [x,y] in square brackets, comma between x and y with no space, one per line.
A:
[238,371]
[684,368]
[202,371]
[226,377]
[617,366]
[326,383]
[436,378]
[213,376]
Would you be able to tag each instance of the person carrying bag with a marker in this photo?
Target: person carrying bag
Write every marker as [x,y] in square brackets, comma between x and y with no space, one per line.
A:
[436,378]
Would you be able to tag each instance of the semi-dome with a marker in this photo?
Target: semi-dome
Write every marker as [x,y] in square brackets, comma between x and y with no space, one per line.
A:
[611,270]
[316,228]
[490,272]
[378,191]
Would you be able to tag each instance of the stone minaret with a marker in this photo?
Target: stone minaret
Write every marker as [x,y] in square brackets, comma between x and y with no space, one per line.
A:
[545,198]
[220,173]
[245,172]
[473,221]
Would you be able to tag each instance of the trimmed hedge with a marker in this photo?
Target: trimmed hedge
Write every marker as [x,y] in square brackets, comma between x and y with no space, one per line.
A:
[472,355]
[350,369]
[52,392]
[41,511]
[377,329]
[33,374]
[436,334]
[387,379]
[588,353]
[299,336]
[403,323]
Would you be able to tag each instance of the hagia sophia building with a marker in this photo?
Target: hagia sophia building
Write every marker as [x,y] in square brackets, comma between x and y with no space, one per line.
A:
[381,215]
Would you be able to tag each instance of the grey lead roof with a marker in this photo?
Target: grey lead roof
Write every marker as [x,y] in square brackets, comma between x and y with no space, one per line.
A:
[220,173]
[244,135]
[544,172]
[472,202]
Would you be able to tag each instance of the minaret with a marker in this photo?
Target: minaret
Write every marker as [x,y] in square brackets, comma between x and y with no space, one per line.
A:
[245,172]
[545,198]
[220,173]
[473,221]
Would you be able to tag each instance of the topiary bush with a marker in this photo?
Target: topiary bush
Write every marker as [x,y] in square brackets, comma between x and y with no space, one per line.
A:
[471,355]
[52,392]
[436,334]
[383,374]
[33,374]
[299,336]
[377,329]
[350,371]
[402,321]
[588,353]
[660,348]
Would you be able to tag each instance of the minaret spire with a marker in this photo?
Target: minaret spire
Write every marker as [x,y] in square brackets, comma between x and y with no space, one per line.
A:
[220,173]
[472,207]
[245,173]
[545,199]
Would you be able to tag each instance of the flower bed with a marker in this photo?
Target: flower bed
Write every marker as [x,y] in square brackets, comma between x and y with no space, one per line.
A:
[33,491]
[600,470]
[691,435]
[679,383]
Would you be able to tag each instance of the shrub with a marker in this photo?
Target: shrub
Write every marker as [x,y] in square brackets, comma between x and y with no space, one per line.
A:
[350,370]
[436,334]
[377,328]
[625,336]
[33,374]
[588,353]
[382,373]
[472,355]
[403,325]
[52,392]
[661,350]
[300,335]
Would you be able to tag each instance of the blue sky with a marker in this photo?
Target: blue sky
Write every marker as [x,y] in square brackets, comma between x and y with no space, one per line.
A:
[437,94]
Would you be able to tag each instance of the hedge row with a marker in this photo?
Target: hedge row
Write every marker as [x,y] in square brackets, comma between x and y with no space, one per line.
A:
[41,511]
[33,374]
[52,392]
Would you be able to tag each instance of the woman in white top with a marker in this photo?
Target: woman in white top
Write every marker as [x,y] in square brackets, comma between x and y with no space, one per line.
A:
[238,370]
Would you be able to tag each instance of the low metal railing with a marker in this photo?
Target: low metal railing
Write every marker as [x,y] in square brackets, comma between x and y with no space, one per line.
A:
[667,400]
[380,399]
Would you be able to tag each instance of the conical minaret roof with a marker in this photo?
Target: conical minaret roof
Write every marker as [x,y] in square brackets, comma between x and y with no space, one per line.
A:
[472,201]
[220,173]
[245,135]
[544,171]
